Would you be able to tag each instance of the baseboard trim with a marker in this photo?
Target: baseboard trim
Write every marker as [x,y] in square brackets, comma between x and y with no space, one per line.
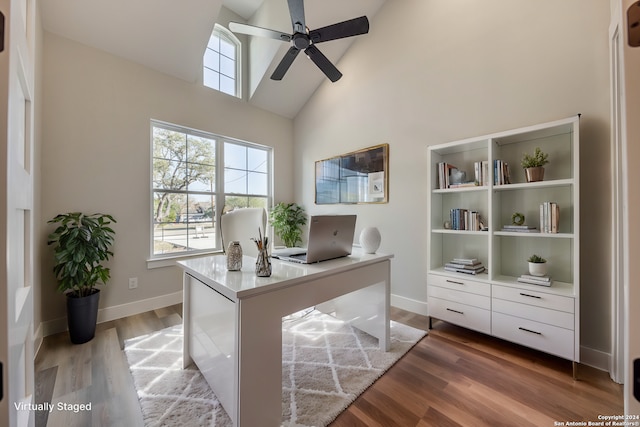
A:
[412,305]
[107,314]
[595,358]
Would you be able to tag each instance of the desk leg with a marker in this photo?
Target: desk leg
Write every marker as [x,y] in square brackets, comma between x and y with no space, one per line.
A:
[259,364]
[368,308]
[186,316]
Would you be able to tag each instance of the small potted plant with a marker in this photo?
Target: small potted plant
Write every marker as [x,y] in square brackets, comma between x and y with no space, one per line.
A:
[533,164]
[537,265]
[287,218]
[81,243]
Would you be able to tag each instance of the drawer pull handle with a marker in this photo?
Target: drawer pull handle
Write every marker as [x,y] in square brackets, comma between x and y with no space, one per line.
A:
[530,296]
[454,282]
[530,331]
[455,311]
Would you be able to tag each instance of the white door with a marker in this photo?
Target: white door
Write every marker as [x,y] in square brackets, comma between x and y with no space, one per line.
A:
[16,213]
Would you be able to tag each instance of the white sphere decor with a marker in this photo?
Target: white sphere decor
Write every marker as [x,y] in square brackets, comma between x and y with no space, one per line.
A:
[370,239]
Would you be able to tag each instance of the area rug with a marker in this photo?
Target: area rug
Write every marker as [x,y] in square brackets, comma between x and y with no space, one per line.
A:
[326,364]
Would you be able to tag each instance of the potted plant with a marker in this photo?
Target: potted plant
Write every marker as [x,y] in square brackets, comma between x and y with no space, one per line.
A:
[81,243]
[537,265]
[533,165]
[287,218]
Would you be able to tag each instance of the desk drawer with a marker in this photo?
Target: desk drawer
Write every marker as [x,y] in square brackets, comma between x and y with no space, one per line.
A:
[467,298]
[460,284]
[539,299]
[537,314]
[543,337]
[461,314]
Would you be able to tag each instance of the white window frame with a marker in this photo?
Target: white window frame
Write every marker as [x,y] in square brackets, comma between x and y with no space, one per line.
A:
[168,259]
[225,34]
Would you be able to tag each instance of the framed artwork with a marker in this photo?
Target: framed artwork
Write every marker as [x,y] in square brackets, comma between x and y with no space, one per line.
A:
[358,177]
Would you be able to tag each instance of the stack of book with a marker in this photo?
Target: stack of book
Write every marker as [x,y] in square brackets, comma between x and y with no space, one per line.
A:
[501,173]
[535,280]
[549,217]
[520,228]
[464,265]
[463,219]
[444,174]
[481,172]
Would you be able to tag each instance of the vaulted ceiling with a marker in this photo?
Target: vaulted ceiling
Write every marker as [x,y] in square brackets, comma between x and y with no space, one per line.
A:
[171,36]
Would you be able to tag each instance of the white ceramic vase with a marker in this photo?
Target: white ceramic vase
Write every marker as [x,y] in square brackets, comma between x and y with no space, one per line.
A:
[370,239]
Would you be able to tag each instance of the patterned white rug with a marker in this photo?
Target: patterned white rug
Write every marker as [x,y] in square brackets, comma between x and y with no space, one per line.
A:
[326,365]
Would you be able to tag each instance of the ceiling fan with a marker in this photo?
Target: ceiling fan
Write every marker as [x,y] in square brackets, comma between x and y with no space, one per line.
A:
[305,39]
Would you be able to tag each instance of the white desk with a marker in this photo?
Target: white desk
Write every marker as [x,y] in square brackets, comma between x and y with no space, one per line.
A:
[233,321]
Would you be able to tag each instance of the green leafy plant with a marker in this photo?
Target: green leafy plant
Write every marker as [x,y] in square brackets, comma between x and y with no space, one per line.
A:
[538,158]
[81,243]
[287,218]
[536,259]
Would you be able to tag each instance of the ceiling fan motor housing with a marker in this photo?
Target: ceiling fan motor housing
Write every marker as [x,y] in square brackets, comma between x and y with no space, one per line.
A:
[300,41]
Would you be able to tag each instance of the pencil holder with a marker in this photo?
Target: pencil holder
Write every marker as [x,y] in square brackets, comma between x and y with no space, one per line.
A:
[263,263]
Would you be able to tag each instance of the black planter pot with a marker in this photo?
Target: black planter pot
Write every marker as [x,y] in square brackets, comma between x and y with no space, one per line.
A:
[82,315]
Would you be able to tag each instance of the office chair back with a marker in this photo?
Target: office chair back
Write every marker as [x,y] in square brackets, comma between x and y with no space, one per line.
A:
[241,225]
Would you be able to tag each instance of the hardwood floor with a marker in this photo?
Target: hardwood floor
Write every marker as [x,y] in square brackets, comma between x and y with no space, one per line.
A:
[452,377]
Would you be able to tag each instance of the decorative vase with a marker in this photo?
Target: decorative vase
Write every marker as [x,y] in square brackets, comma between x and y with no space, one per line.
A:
[263,264]
[82,315]
[234,256]
[538,268]
[370,240]
[534,174]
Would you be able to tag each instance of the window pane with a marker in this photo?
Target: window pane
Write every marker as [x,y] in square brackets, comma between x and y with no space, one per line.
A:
[227,48]
[227,85]
[227,67]
[214,42]
[256,160]
[167,229]
[169,175]
[235,156]
[201,155]
[211,79]
[257,183]
[258,202]
[212,60]
[235,181]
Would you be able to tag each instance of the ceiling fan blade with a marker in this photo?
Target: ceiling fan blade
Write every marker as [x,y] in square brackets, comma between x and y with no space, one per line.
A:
[285,63]
[323,63]
[352,27]
[252,30]
[296,10]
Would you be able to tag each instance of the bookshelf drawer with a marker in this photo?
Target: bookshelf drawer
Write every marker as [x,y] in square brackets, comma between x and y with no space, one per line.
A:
[461,297]
[461,314]
[547,338]
[539,299]
[460,284]
[561,319]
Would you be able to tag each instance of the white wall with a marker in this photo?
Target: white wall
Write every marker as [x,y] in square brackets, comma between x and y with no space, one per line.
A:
[96,148]
[433,71]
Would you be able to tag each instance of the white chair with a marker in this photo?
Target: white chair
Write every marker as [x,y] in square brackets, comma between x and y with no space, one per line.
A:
[242,224]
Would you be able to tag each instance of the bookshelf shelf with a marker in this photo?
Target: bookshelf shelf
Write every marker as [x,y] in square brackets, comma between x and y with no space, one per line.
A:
[504,253]
[538,235]
[534,185]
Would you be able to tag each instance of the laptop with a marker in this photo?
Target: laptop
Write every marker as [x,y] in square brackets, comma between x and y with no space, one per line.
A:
[330,236]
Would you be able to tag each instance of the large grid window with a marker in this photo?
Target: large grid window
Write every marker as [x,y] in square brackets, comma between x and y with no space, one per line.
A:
[221,69]
[193,174]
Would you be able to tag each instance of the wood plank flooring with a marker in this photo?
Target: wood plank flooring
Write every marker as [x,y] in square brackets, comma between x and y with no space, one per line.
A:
[452,377]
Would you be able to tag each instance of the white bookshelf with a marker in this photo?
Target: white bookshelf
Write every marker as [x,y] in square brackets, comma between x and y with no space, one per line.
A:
[493,302]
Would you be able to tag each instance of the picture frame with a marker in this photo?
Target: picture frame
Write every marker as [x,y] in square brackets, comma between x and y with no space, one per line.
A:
[360,176]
